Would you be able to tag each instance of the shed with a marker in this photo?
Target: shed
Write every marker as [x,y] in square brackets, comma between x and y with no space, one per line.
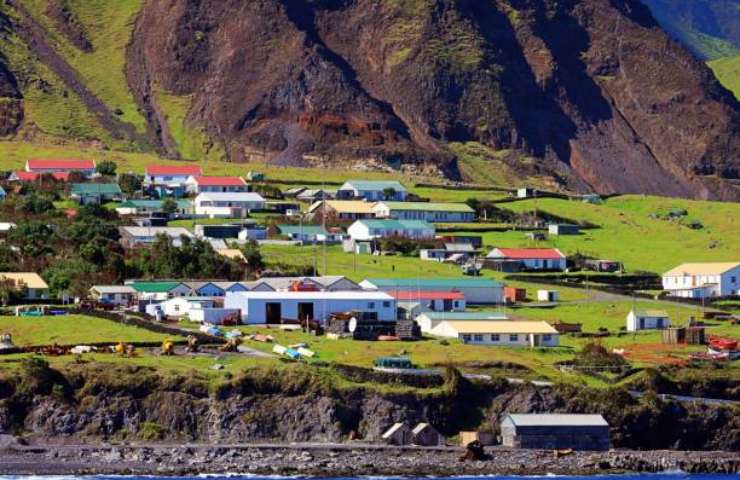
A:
[399,434]
[647,320]
[426,435]
[563,229]
[514,294]
[555,431]
[548,295]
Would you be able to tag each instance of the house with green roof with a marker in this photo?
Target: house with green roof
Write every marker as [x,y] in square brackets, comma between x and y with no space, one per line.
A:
[159,290]
[95,193]
[372,190]
[476,290]
[427,211]
[147,207]
[371,229]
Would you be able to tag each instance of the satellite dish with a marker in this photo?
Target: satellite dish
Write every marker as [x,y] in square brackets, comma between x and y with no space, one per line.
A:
[352,325]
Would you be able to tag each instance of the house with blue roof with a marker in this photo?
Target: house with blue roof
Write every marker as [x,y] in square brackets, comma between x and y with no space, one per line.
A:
[372,190]
[371,229]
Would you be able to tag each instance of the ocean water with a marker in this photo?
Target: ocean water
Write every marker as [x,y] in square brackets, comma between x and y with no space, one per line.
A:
[236,476]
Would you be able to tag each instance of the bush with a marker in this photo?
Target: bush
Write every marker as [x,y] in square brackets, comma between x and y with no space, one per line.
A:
[151,431]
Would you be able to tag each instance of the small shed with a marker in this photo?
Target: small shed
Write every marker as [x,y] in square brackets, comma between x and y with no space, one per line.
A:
[513,294]
[563,229]
[484,438]
[647,320]
[555,431]
[399,434]
[426,435]
[255,176]
[548,295]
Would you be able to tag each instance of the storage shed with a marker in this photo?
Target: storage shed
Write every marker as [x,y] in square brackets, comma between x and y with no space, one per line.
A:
[555,431]
[647,320]
[399,434]
[426,435]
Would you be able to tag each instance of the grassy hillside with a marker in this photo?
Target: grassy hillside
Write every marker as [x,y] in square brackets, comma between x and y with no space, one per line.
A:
[727,71]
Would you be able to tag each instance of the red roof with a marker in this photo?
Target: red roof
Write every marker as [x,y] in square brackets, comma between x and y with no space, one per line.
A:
[173,170]
[60,164]
[220,181]
[531,253]
[426,295]
[33,176]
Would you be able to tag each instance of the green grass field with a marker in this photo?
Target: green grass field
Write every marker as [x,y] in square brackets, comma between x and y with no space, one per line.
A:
[73,329]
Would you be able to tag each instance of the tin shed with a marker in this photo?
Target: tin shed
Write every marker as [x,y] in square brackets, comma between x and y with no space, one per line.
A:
[555,431]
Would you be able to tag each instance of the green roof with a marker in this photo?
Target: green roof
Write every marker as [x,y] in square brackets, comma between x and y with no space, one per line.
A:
[183,204]
[302,229]
[397,224]
[427,206]
[155,287]
[95,189]
[422,283]
[377,185]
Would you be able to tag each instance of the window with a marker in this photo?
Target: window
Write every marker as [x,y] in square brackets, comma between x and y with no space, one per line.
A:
[546,338]
[495,337]
[514,338]
[371,305]
[733,280]
[466,338]
[477,337]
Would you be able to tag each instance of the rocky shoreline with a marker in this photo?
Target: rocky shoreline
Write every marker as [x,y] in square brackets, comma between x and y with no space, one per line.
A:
[343,460]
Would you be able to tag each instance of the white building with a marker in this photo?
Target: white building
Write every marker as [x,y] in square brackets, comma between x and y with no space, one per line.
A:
[273,307]
[703,280]
[180,307]
[113,294]
[426,211]
[171,175]
[548,296]
[500,333]
[429,321]
[476,290]
[647,320]
[414,303]
[227,204]
[529,258]
[372,229]
[143,236]
[200,184]
[372,190]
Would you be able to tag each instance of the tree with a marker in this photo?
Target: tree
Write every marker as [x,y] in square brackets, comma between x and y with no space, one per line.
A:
[169,205]
[129,183]
[106,167]
[253,256]
[35,203]
[33,238]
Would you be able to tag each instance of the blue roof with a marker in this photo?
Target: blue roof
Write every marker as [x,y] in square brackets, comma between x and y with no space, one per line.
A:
[397,224]
[422,283]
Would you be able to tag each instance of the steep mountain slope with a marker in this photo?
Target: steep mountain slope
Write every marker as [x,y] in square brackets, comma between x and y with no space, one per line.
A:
[709,28]
[583,94]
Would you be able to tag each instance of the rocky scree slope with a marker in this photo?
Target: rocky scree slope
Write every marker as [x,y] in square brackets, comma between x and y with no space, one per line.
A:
[301,403]
[593,89]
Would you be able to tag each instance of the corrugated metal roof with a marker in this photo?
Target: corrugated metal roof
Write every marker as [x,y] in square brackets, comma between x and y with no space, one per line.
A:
[709,268]
[345,206]
[501,327]
[319,295]
[556,420]
[302,230]
[375,185]
[219,181]
[425,283]
[428,206]
[114,289]
[527,253]
[95,188]
[155,287]
[60,163]
[651,313]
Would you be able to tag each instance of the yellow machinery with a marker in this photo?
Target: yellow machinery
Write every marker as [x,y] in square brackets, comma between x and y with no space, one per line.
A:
[168,347]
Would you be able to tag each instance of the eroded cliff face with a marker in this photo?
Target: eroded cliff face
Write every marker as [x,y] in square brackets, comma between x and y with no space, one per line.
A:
[593,89]
[11,99]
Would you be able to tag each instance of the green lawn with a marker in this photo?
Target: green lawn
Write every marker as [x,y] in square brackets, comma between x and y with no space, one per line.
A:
[73,329]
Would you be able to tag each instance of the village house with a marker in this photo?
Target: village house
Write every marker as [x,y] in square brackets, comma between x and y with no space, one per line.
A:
[224,231]
[169,180]
[307,233]
[201,184]
[555,431]
[426,211]
[275,307]
[119,295]
[563,229]
[452,252]
[184,208]
[703,280]
[429,320]
[227,204]
[95,193]
[132,237]
[414,303]
[61,165]
[314,195]
[476,290]
[516,259]
[157,291]
[499,333]
[342,210]
[647,320]
[372,191]
[608,266]
[179,307]
[329,283]
[549,296]
[370,229]
[30,285]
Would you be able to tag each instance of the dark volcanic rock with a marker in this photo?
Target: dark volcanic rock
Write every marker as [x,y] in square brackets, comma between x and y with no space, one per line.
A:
[593,89]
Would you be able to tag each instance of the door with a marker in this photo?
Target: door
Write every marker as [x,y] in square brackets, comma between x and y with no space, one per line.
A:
[642,323]
[273,313]
[305,311]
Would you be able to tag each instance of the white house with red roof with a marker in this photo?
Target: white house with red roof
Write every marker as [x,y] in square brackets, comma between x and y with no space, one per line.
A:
[202,184]
[514,259]
[60,165]
[170,175]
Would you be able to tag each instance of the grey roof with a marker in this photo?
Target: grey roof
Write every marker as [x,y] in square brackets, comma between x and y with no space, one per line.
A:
[556,420]
[281,283]
[460,247]
[114,289]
